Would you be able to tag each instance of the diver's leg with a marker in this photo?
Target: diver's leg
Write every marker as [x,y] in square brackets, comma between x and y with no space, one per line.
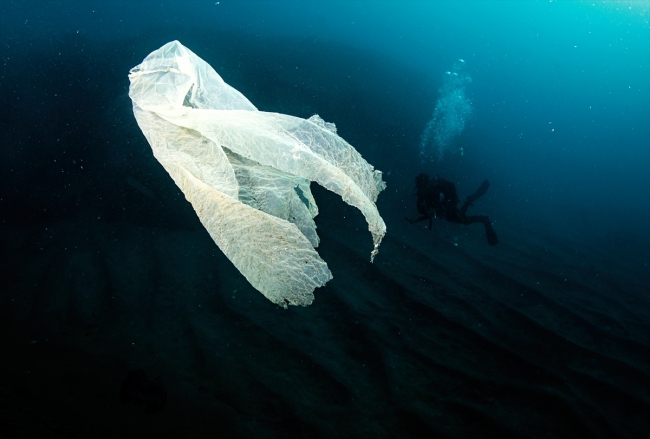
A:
[475,196]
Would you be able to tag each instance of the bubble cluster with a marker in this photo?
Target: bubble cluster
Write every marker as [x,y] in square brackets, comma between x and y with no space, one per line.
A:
[453,110]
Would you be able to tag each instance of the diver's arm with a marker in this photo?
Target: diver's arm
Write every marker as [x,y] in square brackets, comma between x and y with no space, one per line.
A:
[430,215]
[417,220]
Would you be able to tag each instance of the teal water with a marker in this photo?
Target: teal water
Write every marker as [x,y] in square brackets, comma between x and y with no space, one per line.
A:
[105,268]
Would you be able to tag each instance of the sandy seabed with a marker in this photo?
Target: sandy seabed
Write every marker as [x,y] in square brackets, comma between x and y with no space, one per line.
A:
[443,336]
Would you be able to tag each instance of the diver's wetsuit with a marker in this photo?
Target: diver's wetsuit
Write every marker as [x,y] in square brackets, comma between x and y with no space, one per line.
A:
[438,198]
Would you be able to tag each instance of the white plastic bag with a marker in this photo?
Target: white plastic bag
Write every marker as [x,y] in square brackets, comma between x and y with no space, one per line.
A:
[247,173]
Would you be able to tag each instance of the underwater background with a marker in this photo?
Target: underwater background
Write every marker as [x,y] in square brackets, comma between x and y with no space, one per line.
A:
[105,268]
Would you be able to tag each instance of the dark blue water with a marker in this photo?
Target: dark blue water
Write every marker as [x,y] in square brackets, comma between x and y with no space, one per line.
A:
[106,269]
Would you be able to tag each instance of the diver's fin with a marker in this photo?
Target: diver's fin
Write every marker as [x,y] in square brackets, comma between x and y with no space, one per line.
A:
[475,196]
[479,192]
[490,233]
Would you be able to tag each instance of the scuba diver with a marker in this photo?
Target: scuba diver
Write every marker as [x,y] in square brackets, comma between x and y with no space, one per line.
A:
[438,198]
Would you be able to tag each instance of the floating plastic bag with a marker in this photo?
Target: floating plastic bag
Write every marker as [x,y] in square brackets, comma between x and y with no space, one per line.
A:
[247,172]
